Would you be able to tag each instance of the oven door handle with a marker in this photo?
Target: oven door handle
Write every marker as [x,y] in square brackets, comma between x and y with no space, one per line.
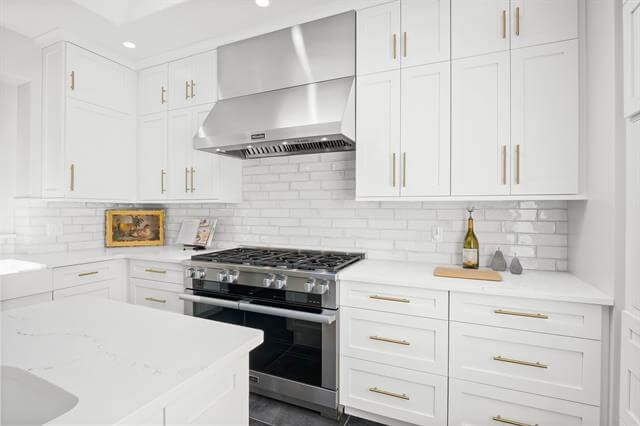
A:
[210,301]
[326,317]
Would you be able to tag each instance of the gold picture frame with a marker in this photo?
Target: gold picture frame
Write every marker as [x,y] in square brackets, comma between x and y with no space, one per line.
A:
[134,228]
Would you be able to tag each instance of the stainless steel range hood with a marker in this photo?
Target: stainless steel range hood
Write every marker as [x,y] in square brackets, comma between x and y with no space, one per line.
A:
[288,92]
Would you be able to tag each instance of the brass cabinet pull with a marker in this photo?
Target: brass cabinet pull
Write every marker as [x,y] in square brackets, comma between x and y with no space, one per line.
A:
[504,164]
[163,91]
[186,179]
[516,361]
[72,183]
[504,24]
[404,169]
[193,171]
[155,271]
[153,299]
[404,44]
[393,169]
[84,274]
[520,314]
[389,298]
[511,422]
[162,173]
[517,21]
[387,393]
[193,85]
[186,90]
[386,339]
[73,80]
[518,164]
[395,46]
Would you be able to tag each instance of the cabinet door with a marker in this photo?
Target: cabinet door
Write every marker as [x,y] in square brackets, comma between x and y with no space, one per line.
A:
[633,212]
[426,122]
[152,90]
[378,135]
[543,21]
[152,156]
[100,152]
[99,81]
[630,370]
[631,23]
[204,179]
[178,146]
[179,83]
[480,125]
[544,119]
[479,26]
[425,31]
[378,38]
[204,78]
[113,289]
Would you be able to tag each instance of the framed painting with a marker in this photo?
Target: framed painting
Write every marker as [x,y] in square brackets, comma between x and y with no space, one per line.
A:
[131,228]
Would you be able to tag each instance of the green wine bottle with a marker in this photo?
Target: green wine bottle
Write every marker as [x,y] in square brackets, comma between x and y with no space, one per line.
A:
[471,249]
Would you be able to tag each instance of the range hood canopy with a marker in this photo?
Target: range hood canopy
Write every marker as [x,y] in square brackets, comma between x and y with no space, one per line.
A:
[285,93]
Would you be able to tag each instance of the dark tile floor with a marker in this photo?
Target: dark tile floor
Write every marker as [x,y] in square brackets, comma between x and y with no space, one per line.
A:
[269,412]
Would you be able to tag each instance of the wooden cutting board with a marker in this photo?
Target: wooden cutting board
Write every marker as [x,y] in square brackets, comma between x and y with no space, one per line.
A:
[468,274]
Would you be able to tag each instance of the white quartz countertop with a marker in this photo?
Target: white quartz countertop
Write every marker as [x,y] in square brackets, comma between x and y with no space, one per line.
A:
[170,254]
[14,266]
[559,286]
[115,357]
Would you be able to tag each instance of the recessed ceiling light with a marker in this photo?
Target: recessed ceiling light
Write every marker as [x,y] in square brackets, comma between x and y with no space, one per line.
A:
[262,3]
[129,44]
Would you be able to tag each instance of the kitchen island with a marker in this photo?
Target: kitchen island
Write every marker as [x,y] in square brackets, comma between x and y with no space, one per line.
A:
[129,364]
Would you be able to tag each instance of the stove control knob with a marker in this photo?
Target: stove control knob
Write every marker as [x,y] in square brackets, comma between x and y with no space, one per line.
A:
[268,280]
[189,272]
[310,285]
[199,274]
[222,276]
[321,287]
[280,282]
[232,276]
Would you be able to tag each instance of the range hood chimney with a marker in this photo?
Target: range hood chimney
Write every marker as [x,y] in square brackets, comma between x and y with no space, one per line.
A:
[287,92]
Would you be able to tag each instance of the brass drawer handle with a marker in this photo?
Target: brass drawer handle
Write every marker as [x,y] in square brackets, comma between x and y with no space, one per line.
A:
[510,422]
[72,184]
[520,314]
[193,93]
[153,299]
[404,44]
[504,24]
[186,179]
[504,164]
[517,361]
[84,274]
[517,21]
[389,298]
[393,169]
[395,46]
[192,173]
[404,169]
[387,393]
[386,339]
[186,90]
[162,174]
[155,271]
[73,80]
[518,164]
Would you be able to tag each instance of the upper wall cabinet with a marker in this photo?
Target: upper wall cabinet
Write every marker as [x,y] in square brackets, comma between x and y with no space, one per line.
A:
[403,34]
[193,80]
[631,28]
[484,26]
[152,90]
[88,125]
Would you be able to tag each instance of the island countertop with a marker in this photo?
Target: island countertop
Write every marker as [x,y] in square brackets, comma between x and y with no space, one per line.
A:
[115,357]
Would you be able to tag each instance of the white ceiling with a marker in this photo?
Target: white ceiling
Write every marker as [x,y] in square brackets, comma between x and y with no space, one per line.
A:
[156,26]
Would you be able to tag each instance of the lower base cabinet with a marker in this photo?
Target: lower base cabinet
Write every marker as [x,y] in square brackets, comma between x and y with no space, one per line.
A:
[477,404]
[157,295]
[102,279]
[630,370]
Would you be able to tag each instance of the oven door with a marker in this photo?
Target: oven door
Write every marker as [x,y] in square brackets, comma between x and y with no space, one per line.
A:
[299,343]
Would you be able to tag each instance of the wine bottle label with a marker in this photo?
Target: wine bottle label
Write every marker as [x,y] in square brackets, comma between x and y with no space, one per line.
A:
[469,256]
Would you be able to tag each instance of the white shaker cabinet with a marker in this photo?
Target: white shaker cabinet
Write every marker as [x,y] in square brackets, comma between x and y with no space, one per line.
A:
[480,125]
[193,80]
[152,157]
[378,130]
[479,27]
[630,370]
[152,90]
[403,33]
[631,40]
[544,119]
[536,22]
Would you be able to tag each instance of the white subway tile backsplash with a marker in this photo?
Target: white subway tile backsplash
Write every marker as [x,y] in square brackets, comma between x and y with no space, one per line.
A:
[308,201]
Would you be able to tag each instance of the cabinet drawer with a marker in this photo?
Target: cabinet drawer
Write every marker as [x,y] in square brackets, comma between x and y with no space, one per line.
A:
[113,289]
[399,340]
[393,392]
[157,271]
[397,299]
[157,295]
[556,366]
[477,404]
[568,319]
[70,276]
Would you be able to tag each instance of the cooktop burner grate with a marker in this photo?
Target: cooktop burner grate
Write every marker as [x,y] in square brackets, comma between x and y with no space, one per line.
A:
[307,260]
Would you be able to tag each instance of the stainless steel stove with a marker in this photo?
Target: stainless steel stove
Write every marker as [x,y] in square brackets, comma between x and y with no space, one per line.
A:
[292,296]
